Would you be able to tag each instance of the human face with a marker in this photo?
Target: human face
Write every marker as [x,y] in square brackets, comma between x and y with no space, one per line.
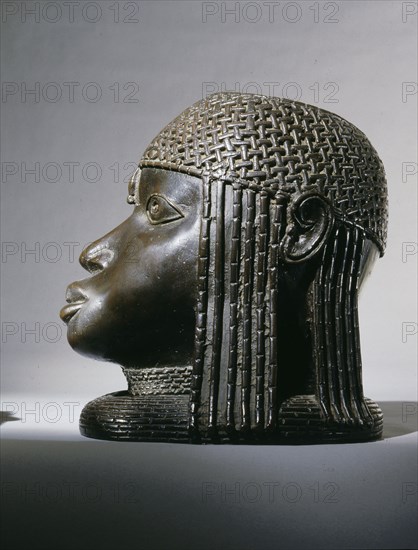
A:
[138,306]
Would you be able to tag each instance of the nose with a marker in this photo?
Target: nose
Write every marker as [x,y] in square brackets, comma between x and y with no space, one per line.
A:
[97,256]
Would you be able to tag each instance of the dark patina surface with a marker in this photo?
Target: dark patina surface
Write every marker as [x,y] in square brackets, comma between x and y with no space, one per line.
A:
[229,296]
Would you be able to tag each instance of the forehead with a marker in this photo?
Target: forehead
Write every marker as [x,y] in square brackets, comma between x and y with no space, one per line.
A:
[179,187]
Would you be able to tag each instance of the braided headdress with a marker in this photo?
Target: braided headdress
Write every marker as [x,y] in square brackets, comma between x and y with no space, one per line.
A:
[278,145]
[256,156]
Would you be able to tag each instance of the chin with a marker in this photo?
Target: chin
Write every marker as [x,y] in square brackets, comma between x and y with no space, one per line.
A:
[82,341]
[90,345]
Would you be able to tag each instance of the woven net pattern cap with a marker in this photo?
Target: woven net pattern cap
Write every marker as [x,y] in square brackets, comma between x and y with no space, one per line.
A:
[276,145]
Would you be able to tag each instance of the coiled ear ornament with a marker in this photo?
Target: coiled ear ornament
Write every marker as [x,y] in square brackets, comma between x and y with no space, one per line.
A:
[310,219]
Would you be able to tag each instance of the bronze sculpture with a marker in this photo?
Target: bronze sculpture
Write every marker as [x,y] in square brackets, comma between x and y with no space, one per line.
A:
[229,296]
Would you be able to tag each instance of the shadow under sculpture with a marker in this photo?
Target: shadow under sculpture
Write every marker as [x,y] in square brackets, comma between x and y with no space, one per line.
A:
[229,296]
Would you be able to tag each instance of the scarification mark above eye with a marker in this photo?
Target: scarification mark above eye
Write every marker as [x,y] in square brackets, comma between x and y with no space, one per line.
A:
[133,186]
[160,210]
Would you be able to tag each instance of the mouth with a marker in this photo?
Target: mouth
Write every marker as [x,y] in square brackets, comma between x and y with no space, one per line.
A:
[75,297]
[68,311]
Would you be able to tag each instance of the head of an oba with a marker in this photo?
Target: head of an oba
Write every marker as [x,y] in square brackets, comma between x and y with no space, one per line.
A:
[255,220]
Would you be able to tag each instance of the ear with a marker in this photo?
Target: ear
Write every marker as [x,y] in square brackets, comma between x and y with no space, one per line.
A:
[310,221]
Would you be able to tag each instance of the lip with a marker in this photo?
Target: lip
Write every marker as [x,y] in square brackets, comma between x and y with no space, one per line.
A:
[68,311]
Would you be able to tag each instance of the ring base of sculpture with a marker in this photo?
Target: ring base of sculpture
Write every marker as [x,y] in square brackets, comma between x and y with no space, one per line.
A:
[301,419]
[121,416]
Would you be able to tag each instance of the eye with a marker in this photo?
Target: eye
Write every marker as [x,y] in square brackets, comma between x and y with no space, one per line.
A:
[159,210]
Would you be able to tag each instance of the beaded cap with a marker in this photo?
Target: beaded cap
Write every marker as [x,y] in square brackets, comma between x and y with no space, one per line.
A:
[277,145]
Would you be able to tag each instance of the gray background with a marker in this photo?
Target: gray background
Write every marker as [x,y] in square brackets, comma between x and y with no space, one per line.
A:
[357,59]
[170,53]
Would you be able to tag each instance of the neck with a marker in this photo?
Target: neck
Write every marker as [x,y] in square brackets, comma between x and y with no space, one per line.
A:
[158,380]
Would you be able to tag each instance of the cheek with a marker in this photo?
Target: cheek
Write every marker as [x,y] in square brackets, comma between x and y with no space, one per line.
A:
[164,273]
